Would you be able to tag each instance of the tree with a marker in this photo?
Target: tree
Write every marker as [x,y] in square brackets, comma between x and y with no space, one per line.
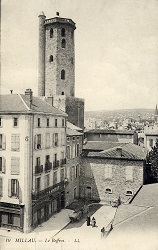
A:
[153,158]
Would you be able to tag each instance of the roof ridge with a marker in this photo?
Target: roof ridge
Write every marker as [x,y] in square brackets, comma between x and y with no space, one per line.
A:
[24,102]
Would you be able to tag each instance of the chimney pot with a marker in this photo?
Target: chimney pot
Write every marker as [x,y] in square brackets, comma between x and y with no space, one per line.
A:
[119,150]
[29,93]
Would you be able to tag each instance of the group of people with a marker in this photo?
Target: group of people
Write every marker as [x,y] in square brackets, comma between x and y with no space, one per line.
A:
[91,222]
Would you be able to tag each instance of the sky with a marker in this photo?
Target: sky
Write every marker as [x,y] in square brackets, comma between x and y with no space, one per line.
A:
[116,49]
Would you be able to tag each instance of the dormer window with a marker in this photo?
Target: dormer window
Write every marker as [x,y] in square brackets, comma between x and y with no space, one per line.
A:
[129,193]
[63,32]
[108,190]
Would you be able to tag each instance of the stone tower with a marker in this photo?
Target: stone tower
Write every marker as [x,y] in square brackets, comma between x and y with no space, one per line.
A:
[56,82]
[56,56]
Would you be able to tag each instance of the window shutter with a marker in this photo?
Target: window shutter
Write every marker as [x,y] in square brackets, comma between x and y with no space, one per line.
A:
[42,143]
[1,187]
[35,142]
[20,195]
[15,165]
[53,140]
[9,188]
[3,164]
[3,141]
[17,188]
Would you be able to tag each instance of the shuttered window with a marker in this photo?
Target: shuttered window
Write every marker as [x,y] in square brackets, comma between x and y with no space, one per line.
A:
[73,150]
[129,173]
[68,153]
[15,165]
[1,187]
[13,188]
[38,141]
[47,180]
[108,171]
[15,142]
[62,175]
[2,141]
[55,178]
[2,164]
[47,140]
[55,140]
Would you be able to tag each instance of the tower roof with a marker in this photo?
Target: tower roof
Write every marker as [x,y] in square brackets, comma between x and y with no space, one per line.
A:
[42,14]
[61,20]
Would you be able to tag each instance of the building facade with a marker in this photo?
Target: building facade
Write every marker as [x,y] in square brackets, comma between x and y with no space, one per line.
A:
[74,144]
[112,135]
[117,172]
[32,161]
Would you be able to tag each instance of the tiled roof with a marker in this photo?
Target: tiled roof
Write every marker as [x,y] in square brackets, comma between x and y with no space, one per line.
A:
[20,103]
[72,126]
[100,145]
[12,103]
[124,151]
[110,131]
[71,132]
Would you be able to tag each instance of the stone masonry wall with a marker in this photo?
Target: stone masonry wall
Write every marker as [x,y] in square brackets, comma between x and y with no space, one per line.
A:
[75,111]
[117,183]
[63,58]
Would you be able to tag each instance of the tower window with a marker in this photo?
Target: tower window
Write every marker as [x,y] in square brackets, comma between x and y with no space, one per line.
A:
[51,33]
[63,74]
[72,61]
[63,32]
[63,43]
[62,93]
[51,58]
[72,34]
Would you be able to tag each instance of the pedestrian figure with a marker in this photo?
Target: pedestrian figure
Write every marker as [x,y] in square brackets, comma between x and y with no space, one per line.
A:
[102,232]
[93,222]
[88,220]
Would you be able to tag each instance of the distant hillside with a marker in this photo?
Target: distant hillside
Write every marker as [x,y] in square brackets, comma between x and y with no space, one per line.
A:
[119,114]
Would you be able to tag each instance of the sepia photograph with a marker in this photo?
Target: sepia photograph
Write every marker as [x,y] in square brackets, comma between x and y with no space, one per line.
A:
[79,125]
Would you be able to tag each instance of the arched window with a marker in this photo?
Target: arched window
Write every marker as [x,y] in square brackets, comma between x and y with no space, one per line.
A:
[63,43]
[108,190]
[51,58]
[63,74]
[63,32]
[129,192]
[51,33]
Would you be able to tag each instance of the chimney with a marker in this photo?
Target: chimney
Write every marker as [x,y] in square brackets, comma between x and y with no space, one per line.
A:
[57,13]
[28,92]
[119,151]
[11,91]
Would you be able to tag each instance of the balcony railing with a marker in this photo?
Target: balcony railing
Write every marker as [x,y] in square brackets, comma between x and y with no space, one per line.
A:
[38,169]
[47,191]
[56,164]
[48,166]
[63,161]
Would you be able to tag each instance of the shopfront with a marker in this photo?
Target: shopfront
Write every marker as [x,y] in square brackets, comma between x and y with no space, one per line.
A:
[11,216]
